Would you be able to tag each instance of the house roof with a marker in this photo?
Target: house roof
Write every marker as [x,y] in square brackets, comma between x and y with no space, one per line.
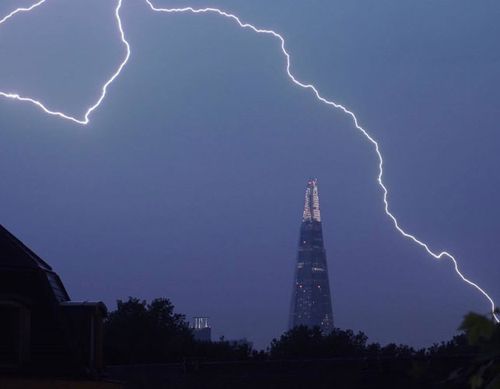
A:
[15,254]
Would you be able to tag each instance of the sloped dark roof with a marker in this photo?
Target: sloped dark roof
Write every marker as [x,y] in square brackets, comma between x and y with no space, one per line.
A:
[15,254]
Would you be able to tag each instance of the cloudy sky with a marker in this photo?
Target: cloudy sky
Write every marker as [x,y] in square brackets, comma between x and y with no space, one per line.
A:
[188,182]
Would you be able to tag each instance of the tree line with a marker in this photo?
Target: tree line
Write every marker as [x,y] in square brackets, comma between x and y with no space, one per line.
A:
[138,332]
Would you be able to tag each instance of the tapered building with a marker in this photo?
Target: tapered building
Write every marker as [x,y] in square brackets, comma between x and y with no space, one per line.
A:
[311,301]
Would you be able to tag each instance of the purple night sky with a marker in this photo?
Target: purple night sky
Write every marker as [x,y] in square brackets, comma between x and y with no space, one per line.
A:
[188,182]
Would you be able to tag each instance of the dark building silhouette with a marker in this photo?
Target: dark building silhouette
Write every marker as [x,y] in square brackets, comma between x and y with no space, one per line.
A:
[41,330]
[311,301]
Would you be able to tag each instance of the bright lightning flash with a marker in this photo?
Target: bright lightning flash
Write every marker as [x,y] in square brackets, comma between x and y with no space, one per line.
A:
[86,117]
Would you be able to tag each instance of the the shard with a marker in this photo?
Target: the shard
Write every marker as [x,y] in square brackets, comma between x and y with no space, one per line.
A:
[311,301]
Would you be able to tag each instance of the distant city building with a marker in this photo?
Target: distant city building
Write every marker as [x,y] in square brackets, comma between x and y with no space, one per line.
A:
[201,329]
[311,301]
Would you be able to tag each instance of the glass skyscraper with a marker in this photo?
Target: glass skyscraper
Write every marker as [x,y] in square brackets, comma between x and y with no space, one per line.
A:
[311,301]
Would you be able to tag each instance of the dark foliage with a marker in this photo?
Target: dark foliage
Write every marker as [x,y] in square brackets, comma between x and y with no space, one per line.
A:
[483,336]
[221,351]
[303,342]
[457,346]
[138,332]
[141,333]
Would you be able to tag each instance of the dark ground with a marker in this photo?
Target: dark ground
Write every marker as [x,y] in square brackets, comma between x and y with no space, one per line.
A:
[329,373]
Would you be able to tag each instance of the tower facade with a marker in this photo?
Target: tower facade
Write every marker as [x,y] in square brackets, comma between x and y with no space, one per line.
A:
[201,329]
[311,300]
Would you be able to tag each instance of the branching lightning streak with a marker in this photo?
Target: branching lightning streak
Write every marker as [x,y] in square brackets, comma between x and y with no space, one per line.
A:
[104,89]
[311,87]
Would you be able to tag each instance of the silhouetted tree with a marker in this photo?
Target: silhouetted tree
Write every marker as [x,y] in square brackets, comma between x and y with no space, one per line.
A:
[483,335]
[393,350]
[222,350]
[137,332]
[482,332]
[457,346]
[373,350]
[346,342]
[299,342]
[304,342]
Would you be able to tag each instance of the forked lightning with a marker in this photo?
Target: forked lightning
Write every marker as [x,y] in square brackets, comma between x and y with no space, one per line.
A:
[85,119]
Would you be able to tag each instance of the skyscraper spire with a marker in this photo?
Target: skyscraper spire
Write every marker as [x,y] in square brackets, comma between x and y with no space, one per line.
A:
[311,301]
[311,206]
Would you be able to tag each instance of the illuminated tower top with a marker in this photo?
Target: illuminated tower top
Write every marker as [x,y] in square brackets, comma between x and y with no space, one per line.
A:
[311,204]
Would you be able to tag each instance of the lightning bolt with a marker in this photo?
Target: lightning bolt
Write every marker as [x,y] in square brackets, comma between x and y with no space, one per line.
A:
[218,12]
[104,89]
